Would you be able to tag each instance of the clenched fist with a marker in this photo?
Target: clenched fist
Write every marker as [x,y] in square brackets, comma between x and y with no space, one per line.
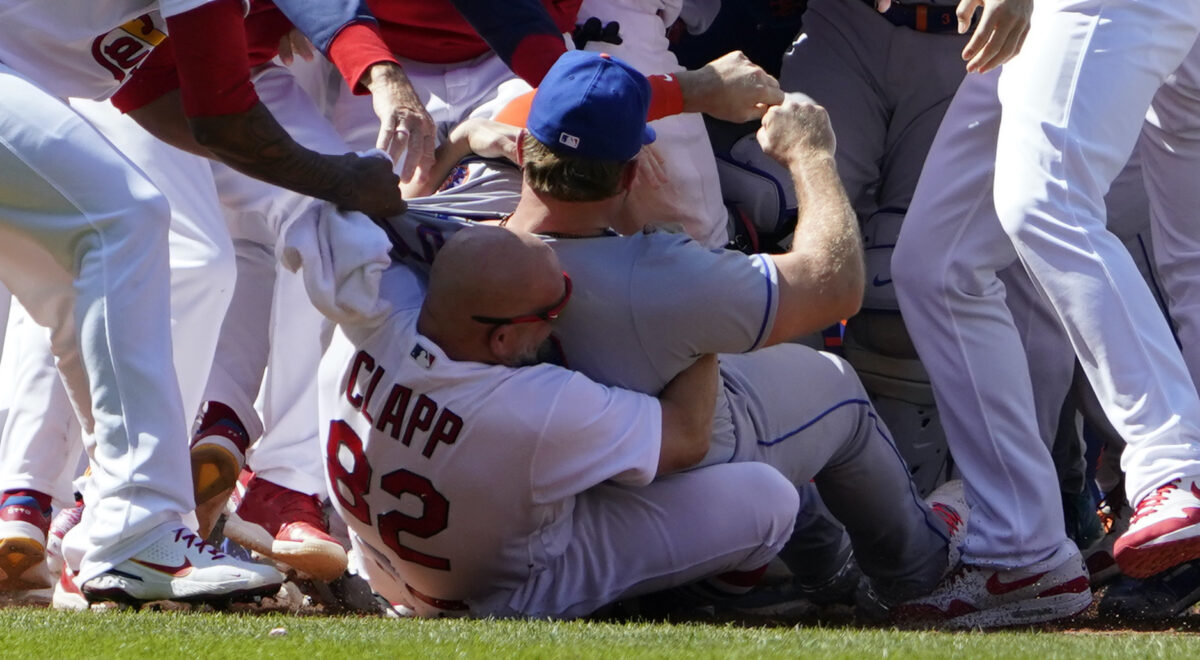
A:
[374,189]
[796,128]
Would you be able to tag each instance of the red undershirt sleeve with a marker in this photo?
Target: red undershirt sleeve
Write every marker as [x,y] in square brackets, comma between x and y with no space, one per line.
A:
[214,68]
[354,49]
[155,76]
[534,56]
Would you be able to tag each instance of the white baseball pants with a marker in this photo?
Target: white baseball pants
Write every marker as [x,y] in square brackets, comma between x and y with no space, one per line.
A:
[1073,105]
[272,324]
[627,542]
[83,246]
[953,244]
[41,437]
[41,446]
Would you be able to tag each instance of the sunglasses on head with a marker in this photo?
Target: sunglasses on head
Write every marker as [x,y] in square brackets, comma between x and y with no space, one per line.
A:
[548,314]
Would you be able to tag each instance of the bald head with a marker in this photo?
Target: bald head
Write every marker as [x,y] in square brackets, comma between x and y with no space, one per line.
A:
[490,272]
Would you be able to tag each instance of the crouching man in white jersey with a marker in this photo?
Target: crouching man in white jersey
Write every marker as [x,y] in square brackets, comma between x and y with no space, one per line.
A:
[474,487]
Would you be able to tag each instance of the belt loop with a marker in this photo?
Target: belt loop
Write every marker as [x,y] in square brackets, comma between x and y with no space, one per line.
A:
[922,18]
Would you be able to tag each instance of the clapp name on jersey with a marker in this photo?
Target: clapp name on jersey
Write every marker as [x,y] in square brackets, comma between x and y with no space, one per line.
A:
[439,425]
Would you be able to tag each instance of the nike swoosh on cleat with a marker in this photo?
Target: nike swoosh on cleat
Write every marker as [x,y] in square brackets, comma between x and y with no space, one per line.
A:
[880,282]
[996,587]
[174,571]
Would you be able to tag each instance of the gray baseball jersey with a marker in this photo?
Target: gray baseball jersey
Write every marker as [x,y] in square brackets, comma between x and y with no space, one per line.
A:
[644,306]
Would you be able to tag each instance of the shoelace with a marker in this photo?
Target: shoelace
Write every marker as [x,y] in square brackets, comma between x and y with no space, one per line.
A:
[193,541]
[956,575]
[1151,502]
[66,520]
[948,515]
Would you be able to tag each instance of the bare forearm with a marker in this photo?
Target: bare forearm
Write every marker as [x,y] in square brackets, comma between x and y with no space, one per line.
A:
[821,278]
[827,224]
[255,144]
[730,88]
[164,119]
[687,407]
[446,157]
[696,86]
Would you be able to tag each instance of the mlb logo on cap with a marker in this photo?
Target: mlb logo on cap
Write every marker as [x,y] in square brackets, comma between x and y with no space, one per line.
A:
[592,106]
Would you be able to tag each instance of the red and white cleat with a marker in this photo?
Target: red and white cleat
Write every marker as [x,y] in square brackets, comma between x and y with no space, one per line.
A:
[289,527]
[982,597]
[23,529]
[1164,530]
[218,454]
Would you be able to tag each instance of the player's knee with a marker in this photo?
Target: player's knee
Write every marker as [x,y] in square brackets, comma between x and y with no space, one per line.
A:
[140,214]
[778,503]
[910,268]
[208,262]
[131,226]
[880,232]
[921,274]
[837,377]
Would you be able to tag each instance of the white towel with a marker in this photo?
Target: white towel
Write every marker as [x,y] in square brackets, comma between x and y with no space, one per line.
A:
[341,255]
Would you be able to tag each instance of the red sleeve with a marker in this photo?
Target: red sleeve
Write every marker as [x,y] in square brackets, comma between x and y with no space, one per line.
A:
[534,56]
[354,49]
[666,98]
[214,69]
[155,76]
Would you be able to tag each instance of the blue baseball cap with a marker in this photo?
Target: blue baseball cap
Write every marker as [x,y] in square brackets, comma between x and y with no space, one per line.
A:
[592,106]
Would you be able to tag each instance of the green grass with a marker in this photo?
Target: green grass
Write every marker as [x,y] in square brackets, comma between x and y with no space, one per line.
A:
[31,633]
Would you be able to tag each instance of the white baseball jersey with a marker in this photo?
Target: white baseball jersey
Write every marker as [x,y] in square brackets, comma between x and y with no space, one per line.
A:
[462,475]
[82,48]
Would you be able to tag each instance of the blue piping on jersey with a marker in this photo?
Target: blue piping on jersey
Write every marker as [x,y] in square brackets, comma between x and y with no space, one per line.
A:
[912,489]
[762,329]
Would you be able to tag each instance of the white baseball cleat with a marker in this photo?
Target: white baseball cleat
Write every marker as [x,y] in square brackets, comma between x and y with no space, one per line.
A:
[1164,530]
[67,595]
[181,566]
[982,597]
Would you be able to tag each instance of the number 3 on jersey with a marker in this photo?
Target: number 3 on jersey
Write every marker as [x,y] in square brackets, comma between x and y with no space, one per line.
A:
[350,476]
